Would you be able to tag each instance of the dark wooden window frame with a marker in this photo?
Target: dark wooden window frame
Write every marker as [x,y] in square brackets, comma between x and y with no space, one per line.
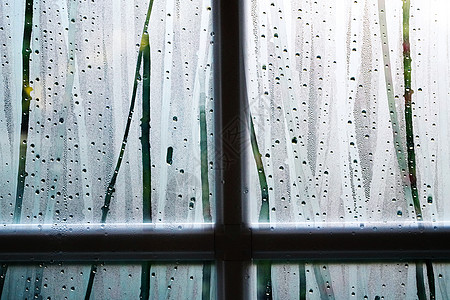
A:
[231,242]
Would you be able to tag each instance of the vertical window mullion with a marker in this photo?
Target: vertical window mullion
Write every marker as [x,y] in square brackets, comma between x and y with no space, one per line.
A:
[231,224]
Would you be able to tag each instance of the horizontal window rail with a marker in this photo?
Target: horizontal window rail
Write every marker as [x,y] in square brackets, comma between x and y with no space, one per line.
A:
[111,242]
[132,242]
[363,241]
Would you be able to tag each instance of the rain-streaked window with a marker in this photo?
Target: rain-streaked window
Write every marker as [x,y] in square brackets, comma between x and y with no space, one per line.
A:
[112,113]
[348,103]
[106,115]
[348,106]
[106,111]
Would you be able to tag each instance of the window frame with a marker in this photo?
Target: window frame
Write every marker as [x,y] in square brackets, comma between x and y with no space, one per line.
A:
[232,242]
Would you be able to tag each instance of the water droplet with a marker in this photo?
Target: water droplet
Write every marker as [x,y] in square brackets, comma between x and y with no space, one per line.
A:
[169,159]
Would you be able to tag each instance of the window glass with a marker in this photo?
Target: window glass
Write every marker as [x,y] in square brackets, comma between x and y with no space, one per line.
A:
[100,122]
[112,281]
[349,110]
[375,280]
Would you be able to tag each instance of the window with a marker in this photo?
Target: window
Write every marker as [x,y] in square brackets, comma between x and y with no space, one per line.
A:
[219,149]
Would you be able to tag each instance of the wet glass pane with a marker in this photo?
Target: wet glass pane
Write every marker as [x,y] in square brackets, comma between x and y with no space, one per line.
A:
[111,281]
[377,280]
[349,110]
[106,111]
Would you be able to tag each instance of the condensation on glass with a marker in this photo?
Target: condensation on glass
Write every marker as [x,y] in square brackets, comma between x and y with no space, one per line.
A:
[349,104]
[113,281]
[67,74]
[373,280]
